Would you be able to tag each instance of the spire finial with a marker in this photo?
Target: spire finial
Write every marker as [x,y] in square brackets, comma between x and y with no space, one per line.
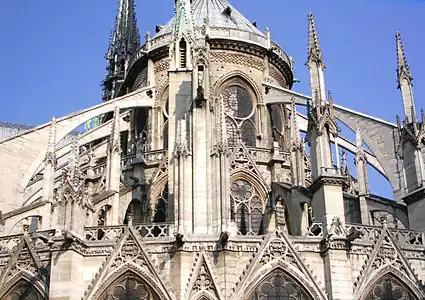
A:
[314,52]
[183,21]
[74,163]
[403,70]
[423,116]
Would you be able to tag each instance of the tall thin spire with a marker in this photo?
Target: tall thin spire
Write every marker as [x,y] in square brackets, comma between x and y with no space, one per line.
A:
[124,42]
[115,138]
[314,52]
[404,79]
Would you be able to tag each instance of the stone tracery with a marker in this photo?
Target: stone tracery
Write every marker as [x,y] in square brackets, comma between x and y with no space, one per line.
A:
[279,286]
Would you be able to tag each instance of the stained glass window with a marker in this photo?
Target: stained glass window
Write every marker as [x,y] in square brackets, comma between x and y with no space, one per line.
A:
[389,288]
[247,207]
[24,290]
[129,288]
[279,286]
[240,115]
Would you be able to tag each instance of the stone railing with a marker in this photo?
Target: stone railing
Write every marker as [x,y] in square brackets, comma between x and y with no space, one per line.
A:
[280,53]
[9,242]
[148,157]
[112,233]
[370,234]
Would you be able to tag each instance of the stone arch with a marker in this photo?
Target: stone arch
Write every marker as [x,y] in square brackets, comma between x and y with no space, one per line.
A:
[255,180]
[279,266]
[30,218]
[399,218]
[131,269]
[401,278]
[235,74]
[203,295]
[24,280]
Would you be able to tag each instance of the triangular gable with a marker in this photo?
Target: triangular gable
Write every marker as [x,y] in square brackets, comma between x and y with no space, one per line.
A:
[202,280]
[277,251]
[24,259]
[241,160]
[386,253]
[128,254]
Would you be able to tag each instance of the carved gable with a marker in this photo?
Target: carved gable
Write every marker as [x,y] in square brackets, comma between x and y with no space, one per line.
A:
[128,256]
[202,280]
[277,252]
[23,263]
[385,254]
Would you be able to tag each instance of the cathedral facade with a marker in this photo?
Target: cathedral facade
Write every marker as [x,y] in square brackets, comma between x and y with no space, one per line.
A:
[200,179]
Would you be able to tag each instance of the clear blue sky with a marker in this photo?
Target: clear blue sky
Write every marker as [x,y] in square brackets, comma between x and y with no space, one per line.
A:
[53,51]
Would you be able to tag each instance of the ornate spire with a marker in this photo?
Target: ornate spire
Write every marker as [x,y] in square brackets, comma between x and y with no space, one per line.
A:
[124,42]
[360,153]
[404,79]
[115,138]
[125,35]
[314,53]
[403,70]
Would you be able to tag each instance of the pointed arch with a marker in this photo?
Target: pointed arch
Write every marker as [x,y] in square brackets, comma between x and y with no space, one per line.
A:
[158,207]
[203,295]
[248,201]
[391,274]
[24,284]
[285,273]
[130,271]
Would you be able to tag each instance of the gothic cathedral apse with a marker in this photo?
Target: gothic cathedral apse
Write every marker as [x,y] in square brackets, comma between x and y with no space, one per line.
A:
[202,181]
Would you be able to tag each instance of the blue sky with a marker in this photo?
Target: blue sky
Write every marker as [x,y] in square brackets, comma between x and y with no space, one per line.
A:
[53,51]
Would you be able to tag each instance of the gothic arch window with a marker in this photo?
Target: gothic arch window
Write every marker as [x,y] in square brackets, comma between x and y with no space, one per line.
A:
[129,287]
[247,207]
[23,290]
[279,286]
[389,288]
[183,53]
[240,108]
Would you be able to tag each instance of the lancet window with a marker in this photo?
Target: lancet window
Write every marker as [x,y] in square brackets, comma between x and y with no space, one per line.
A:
[389,288]
[129,288]
[239,107]
[247,207]
[279,286]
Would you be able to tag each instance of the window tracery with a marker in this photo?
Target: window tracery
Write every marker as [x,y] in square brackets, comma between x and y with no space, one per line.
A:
[239,107]
[24,290]
[279,286]
[247,207]
[389,288]
[129,288]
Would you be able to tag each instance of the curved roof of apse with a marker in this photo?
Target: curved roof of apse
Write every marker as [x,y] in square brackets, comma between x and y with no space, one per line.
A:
[215,11]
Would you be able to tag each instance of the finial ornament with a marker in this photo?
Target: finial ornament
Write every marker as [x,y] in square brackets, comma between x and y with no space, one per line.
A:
[51,146]
[314,54]
[295,136]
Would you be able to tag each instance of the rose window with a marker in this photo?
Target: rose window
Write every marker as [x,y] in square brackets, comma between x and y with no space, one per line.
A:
[278,286]
[247,208]
[240,115]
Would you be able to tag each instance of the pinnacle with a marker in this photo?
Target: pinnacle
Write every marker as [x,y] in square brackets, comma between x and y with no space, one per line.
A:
[402,65]
[314,51]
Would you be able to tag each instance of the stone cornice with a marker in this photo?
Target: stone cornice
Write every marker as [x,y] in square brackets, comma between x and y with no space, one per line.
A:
[24,209]
[414,196]
[325,179]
